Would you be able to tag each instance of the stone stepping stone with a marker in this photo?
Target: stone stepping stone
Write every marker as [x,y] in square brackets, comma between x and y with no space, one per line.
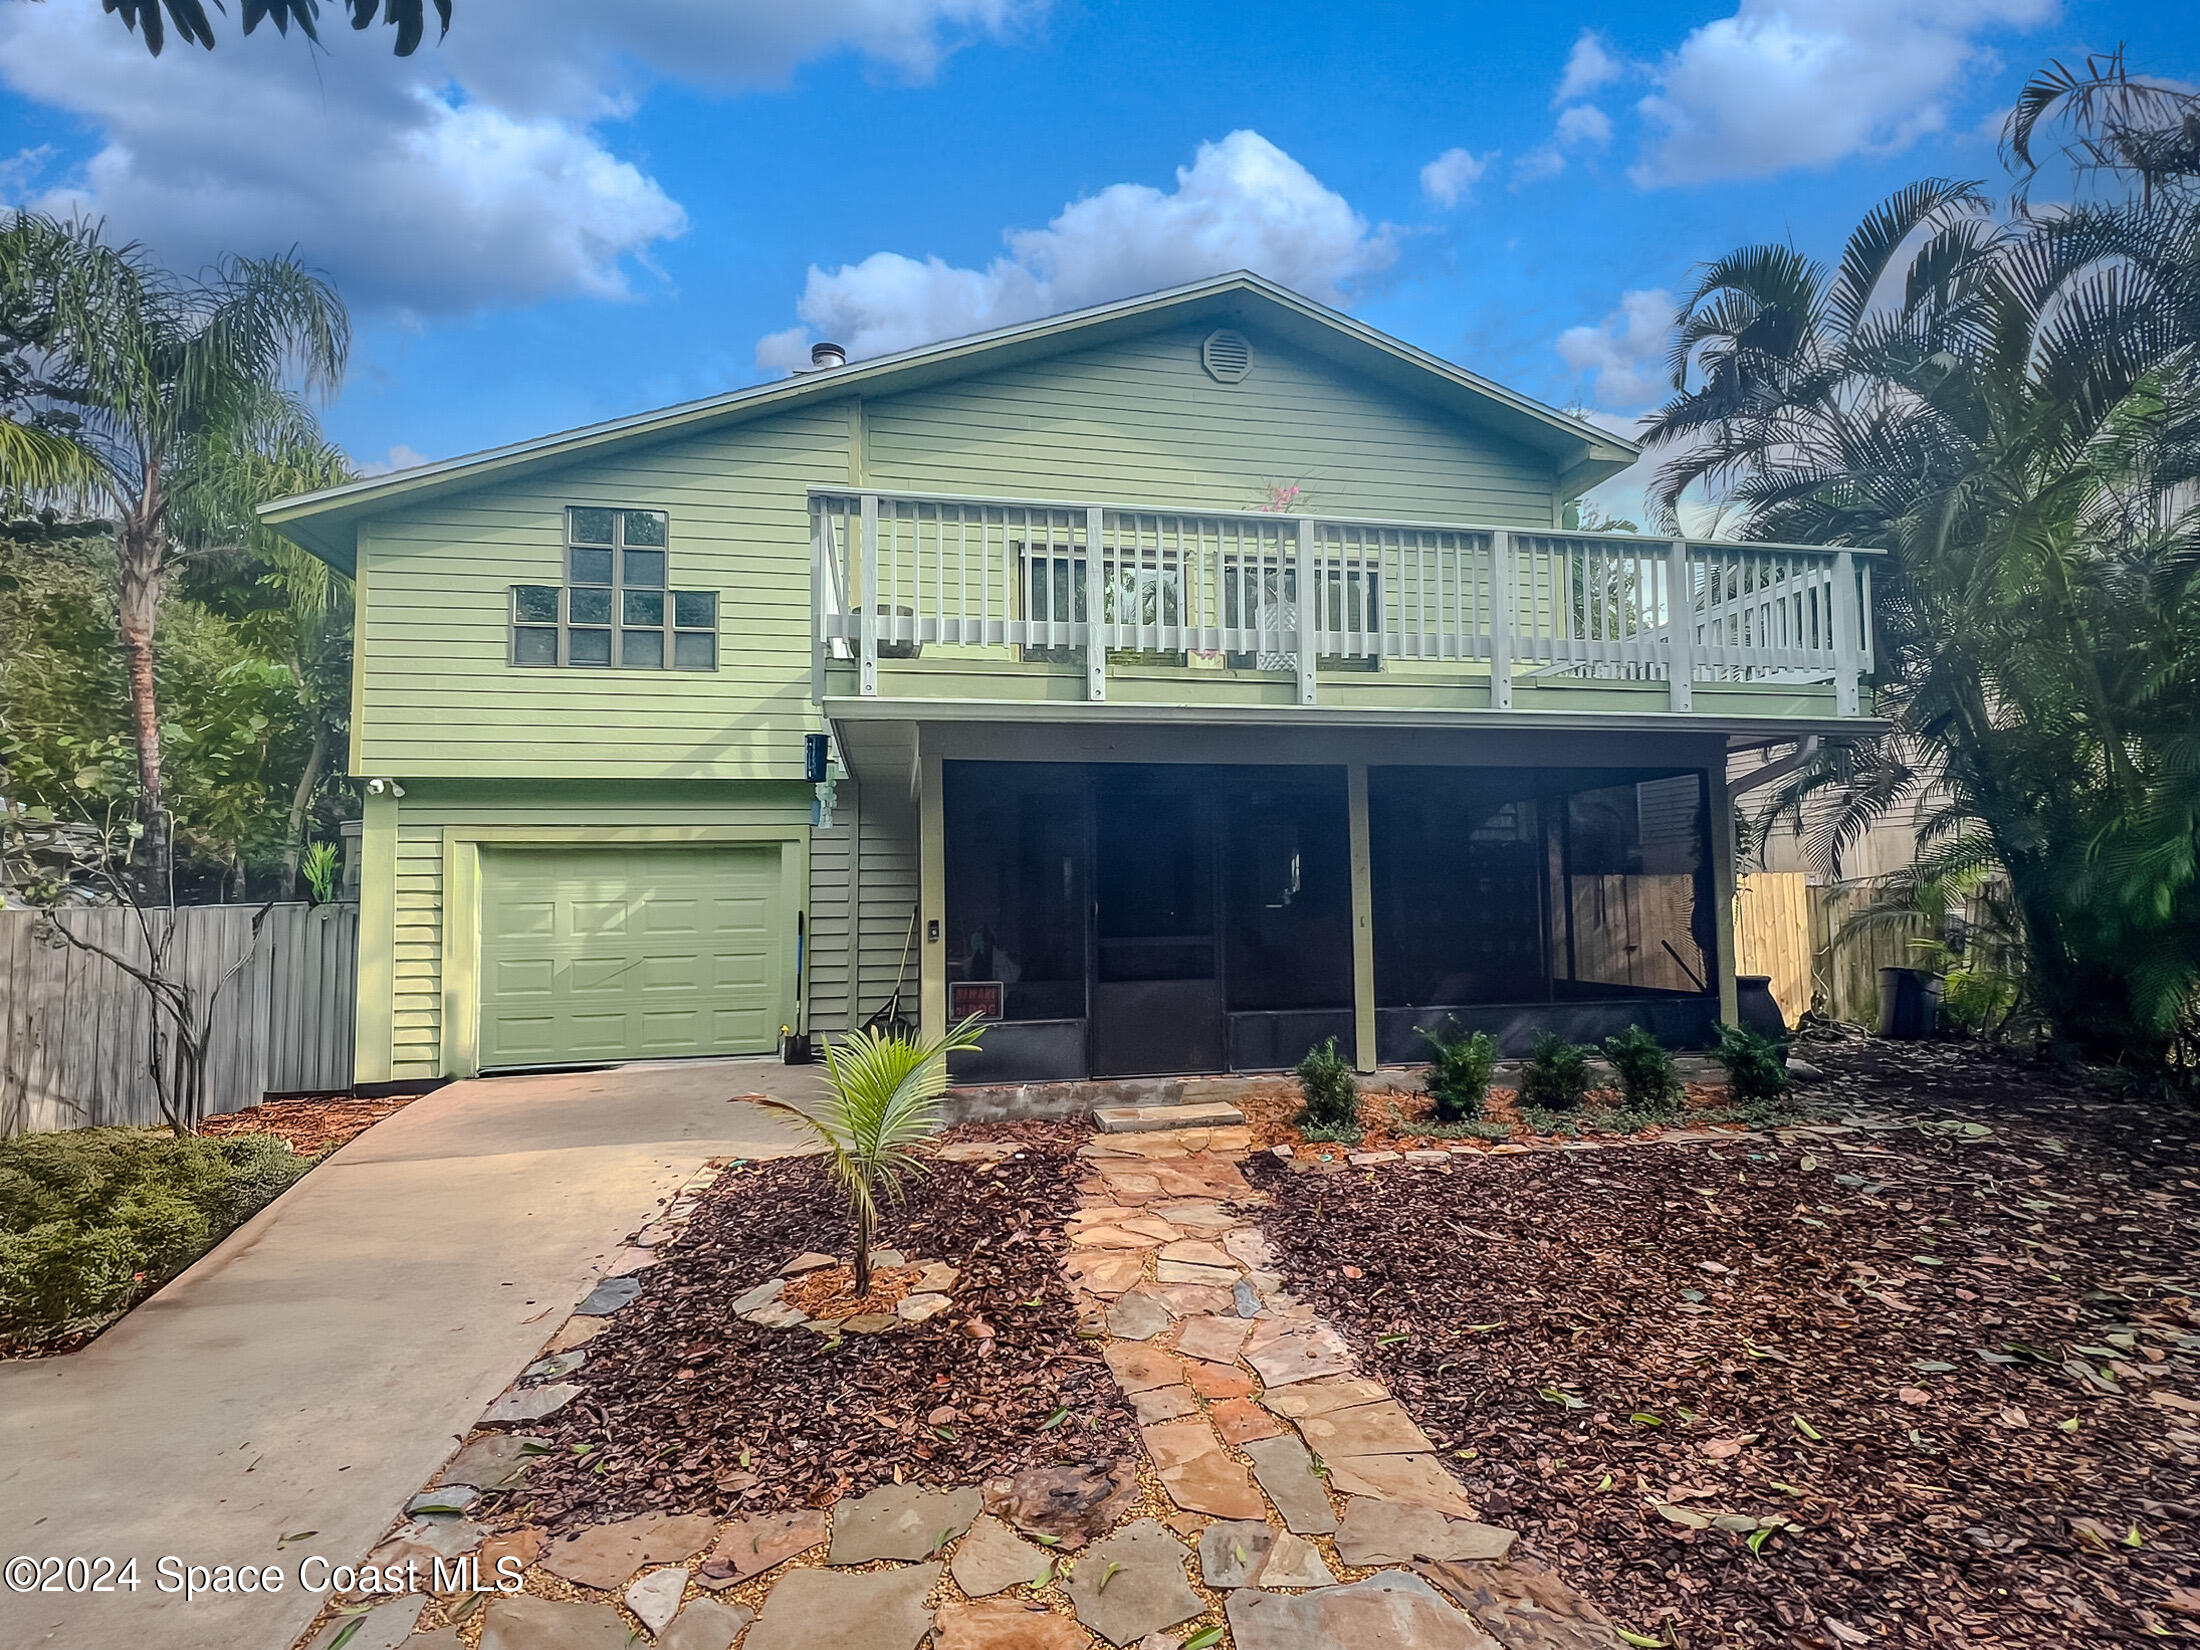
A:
[606,1555]
[524,1544]
[1524,1608]
[443,1638]
[1231,1554]
[1398,1532]
[1213,1340]
[1308,1353]
[1138,1316]
[754,1545]
[1420,1479]
[448,1498]
[1139,1368]
[763,1295]
[1219,1381]
[1239,1420]
[1198,1473]
[993,1558]
[556,1365]
[1286,1473]
[1073,1504]
[425,1539]
[846,1610]
[1106,1272]
[1005,1624]
[810,1260]
[1182,1271]
[1393,1611]
[1163,1403]
[1132,1584]
[1371,1429]
[1245,1298]
[1199,1252]
[1191,1300]
[608,1296]
[530,1403]
[1112,1237]
[493,1460]
[921,1308]
[1249,1247]
[706,1624]
[1204,1216]
[523,1622]
[577,1331]
[384,1627]
[1322,1397]
[1294,1562]
[655,1598]
[901,1521]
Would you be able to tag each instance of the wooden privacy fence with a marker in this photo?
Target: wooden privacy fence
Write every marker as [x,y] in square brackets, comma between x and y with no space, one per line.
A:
[75,1042]
[1785,928]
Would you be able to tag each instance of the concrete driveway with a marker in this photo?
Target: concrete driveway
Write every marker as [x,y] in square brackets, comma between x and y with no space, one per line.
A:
[284,1397]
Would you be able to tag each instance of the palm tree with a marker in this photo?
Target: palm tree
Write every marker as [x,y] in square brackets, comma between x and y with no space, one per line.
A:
[882,1104]
[2009,403]
[188,18]
[156,382]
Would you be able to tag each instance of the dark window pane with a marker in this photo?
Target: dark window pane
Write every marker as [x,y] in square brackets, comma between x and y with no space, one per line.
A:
[695,609]
[1017,893]
[695,650]
[591,567]
[532,646]
[642,649]
[646,567]
[645,527]
[535,603]
[588,606]
[588,647]
[643,607]
[1287,890]
[590,526]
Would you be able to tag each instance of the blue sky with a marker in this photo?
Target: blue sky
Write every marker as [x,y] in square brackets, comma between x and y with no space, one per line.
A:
[575,209]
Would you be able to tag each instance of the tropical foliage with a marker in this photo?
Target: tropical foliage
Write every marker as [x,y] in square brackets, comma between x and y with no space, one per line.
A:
[165,651]
[2006,397]
[882,1104]
[152,19]
[1458,1075]
[1647,1077]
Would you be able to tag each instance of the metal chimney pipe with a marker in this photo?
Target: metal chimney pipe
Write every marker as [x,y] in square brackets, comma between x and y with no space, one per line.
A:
[825,357]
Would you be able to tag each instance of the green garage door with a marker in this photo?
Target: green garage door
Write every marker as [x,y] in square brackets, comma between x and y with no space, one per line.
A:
[594,954]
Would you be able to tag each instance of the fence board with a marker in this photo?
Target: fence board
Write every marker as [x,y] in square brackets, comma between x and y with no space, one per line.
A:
[1772,936]
[75,1030]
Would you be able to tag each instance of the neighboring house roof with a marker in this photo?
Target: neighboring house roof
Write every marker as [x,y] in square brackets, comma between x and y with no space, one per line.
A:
[1582,454]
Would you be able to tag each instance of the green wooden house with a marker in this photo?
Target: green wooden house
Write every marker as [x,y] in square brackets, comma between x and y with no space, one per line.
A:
[1177,683]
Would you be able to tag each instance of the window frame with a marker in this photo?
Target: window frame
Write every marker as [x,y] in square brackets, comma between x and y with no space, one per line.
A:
[669,630]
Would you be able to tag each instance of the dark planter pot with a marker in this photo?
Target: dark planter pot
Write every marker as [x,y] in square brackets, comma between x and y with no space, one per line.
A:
[795,1049]
[1909,1003]
[1758,1010]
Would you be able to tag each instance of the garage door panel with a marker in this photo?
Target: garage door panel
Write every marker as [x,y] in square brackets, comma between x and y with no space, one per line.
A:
[603,954]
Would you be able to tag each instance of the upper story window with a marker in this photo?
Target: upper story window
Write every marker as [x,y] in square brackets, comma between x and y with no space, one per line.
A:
[616,607]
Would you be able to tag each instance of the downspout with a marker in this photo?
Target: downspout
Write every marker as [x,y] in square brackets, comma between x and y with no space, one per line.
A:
[1765,775]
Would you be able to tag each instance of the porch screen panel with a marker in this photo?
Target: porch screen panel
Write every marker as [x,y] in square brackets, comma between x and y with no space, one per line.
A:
[1629,889]
[1016,885]
[1457,871]
[1287,892]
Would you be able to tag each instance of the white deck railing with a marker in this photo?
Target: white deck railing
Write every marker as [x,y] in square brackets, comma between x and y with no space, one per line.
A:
[893,571]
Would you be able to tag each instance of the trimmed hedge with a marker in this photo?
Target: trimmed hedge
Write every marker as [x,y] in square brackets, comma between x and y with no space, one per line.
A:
[91,1220]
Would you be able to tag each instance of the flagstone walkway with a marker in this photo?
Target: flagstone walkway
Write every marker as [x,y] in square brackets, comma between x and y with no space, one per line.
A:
[1286,1502]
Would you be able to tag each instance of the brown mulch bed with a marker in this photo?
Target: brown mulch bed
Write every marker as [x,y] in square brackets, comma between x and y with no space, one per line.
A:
[686,1408]
[1388,1120]
[1992,1339]
[309,1127]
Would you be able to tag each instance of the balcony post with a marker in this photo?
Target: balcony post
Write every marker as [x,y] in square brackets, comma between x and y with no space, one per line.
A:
[867,599]
[818,530]
[1096,606]
[1308,596]
[1504,591]
[1680,629]
[1847,653]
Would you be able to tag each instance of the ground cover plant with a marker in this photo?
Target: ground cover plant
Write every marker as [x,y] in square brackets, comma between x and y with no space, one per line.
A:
[1329,1095]
[1648,1082]
[94,1220]
[685,1408]
[1555,1079]
[1459,1074]
[1931,1385]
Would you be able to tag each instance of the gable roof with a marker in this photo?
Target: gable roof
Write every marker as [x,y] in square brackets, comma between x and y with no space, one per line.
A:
[324,522]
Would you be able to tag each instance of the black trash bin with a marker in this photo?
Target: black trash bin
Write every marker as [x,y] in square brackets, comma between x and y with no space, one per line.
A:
[1909,1002]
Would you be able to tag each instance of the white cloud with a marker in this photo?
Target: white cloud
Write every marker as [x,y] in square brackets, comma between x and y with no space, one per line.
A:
[1799,83]
[470,174]
[1588,66]
[1625,352]
[401,457]
[1584,126]
[1450,178]
[1242,204]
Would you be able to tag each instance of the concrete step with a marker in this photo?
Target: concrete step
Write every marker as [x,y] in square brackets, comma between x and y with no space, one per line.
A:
[1150,1119]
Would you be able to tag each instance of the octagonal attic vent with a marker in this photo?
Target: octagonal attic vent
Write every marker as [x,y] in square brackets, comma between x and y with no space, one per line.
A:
[1226,356]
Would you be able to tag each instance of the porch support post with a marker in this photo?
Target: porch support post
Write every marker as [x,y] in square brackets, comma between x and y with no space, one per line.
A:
[1848,625]
[373,1021]
[1363,921]
[1724,891]
[1309,612]
[1680,629]
[1504,594]
[1096,604]
[867,602]
[931,897]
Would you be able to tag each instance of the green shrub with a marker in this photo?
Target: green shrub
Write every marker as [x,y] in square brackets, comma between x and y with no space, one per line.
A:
[1556,1077]
[1646,1075]
[1329,1096]
[1977,1002]
[1459,1075]
[1756,1067]
[90,1219]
